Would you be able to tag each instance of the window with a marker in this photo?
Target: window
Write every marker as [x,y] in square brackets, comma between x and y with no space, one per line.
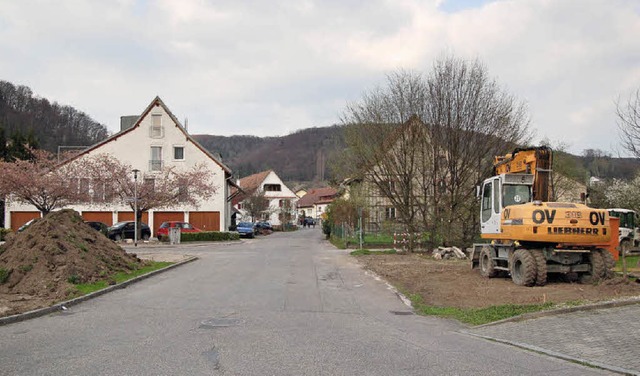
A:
[156,158]
[178,153]
[272,188]
[183,191]
[240,206]
[486,202]
[149,184]
[390,213]
[156,130]
[281,203]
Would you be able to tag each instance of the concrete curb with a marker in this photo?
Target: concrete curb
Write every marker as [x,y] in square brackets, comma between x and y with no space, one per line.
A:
[58,306]
[560,311]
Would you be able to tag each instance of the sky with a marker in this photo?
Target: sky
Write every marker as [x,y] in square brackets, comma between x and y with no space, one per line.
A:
[269,68]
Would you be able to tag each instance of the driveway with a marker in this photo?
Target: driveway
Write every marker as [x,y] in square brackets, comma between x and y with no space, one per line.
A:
[284,304]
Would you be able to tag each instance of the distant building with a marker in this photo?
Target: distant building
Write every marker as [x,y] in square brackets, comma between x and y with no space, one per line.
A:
[268,183]
[315,202]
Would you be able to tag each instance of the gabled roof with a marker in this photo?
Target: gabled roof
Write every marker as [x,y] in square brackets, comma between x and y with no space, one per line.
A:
[155,102]
[317,196]
[249,184]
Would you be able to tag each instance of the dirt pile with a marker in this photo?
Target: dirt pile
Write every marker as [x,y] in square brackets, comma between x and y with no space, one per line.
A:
[40,265]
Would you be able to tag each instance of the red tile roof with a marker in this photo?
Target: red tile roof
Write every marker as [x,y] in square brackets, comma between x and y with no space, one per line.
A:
[317,196]
[249,184]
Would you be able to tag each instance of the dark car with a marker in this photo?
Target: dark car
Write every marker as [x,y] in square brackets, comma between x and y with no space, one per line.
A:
[163,231]
[247,229]
[264,226]
[309,221]
[98,226]
[125,230]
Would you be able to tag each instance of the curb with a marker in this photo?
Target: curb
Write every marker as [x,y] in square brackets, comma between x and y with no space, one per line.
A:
[560,311]
[59,306]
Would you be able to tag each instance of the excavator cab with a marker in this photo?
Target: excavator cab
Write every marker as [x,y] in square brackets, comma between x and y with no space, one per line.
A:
[498,192]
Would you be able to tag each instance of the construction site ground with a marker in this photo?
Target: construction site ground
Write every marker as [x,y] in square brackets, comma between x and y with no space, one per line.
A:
[452,283]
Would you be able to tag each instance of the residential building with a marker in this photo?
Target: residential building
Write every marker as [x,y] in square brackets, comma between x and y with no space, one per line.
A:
[315,202]
[148,143]
[280,199]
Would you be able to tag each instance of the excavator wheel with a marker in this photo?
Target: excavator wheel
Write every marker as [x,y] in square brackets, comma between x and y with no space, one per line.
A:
[487,263]
[541,267]
[598,268]
[523,268]
[609,263]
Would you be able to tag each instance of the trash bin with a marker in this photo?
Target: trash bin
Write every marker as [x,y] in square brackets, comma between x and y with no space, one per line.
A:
[174,235]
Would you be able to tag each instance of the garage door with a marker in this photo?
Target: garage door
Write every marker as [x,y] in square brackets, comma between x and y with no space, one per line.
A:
[159,217]
[206,221]
[128,216]
[19,218]
[96,216]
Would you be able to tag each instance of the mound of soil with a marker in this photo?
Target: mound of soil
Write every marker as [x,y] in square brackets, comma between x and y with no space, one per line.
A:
[41,264]
[452,283]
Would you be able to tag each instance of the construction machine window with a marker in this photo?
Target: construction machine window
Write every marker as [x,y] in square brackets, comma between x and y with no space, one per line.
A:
[516,194]
[496,196]
[486,201]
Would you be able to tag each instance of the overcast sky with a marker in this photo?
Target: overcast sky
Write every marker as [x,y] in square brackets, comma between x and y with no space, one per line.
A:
[268,68]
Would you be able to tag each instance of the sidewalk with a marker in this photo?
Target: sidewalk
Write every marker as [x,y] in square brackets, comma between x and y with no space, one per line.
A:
[608,338]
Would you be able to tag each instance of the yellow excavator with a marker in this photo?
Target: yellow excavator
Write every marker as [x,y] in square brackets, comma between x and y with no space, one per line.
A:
[532,236]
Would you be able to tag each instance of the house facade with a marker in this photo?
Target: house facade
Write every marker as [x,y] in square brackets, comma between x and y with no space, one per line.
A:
[281,200]
[314,203]
[148,143]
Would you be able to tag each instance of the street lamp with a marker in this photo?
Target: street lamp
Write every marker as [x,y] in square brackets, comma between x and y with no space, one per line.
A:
[135,207]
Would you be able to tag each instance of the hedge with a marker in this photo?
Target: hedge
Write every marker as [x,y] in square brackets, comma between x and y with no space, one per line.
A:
[214,236]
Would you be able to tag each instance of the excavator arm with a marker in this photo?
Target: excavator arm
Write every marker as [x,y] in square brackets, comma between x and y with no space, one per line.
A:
[536,161]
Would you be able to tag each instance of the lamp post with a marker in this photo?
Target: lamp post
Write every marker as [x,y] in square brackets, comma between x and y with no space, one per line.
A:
[135,207]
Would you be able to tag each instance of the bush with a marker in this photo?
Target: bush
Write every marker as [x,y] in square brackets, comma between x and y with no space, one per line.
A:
[4,232]
[209,236]
[326,229]
[4,275]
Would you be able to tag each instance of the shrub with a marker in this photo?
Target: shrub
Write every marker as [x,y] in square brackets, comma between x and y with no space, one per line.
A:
[4,275]
[4,232]
[208,236]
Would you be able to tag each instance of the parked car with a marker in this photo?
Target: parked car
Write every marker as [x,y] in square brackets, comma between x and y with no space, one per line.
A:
[98,226]
[264,226]
[309,221]
[125,230]
[247,229]
[163,231]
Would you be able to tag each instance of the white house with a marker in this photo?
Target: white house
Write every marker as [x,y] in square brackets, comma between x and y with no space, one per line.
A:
[314,203]
[280,197]
[148,143]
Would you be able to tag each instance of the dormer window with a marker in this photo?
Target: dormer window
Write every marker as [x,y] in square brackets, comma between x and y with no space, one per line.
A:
[272,188]
[156,130]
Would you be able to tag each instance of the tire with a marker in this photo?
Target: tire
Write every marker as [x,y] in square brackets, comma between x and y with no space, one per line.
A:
[145,236]
[598,268]
[487,263]
[541,267]
[117,237]
[523,268]
[609,263]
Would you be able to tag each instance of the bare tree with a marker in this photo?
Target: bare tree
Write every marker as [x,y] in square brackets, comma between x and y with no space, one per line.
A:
[628,113]
[39,181]
[256,205]
[427,140]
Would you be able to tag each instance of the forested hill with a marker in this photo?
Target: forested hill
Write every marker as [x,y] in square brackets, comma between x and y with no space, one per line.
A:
[301,156]
[51,124]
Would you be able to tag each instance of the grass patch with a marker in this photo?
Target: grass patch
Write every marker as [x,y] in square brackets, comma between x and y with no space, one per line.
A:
[86,288]
[368,252]
[476,316]
[632,263]
[338,242]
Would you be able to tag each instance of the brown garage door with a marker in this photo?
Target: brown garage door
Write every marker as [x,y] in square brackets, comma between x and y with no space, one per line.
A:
[19,218]
[128,216]
[159,217]
[206,221]
[104,217]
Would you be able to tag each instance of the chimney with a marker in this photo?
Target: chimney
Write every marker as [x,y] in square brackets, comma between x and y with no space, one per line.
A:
[127,122]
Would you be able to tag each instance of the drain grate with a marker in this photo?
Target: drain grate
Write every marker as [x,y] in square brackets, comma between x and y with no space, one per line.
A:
[402,313]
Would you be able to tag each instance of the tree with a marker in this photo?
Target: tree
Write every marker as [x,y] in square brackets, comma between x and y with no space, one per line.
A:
[286,213]
[427,140]
[40,181]
[110,180]
[628,113]
[256,204]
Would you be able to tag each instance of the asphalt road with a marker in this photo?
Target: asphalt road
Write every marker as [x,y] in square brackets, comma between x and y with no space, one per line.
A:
[285,304]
